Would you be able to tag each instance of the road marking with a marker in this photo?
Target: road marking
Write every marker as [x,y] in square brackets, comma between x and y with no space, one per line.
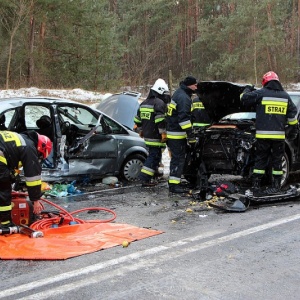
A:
[141,256]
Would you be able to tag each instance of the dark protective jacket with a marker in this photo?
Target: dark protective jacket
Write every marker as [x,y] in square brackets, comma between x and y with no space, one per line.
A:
[179,113]
[151,120]
[20,149]
[200,117]
[274,110]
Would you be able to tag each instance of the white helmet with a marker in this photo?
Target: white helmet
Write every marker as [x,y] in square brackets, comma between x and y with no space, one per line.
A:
[160,86]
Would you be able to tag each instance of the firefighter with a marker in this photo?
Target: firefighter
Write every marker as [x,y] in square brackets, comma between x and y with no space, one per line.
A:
[26,149]
[150,123]
[179,130]
[274,110]
[200,118]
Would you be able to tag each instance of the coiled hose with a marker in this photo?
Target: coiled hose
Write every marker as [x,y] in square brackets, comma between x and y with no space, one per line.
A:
[62,217]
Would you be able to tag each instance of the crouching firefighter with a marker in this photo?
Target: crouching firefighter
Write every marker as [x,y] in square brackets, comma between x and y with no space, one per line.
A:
[27,149]
[274,110]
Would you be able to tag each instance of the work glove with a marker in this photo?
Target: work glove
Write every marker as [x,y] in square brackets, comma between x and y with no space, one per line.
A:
[141,133]
[292,132]
[163,137]
[248,88]
[191,139]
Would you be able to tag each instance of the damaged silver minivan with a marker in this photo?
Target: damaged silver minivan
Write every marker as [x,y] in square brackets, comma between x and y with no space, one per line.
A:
[86,142]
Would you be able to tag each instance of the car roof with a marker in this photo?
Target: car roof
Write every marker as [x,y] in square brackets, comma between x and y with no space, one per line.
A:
[37,99]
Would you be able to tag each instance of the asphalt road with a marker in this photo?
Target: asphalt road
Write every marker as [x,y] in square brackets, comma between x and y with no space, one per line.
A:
[203,253]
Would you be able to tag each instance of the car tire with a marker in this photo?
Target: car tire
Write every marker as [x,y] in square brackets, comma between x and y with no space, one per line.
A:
[131,167]
[285,169]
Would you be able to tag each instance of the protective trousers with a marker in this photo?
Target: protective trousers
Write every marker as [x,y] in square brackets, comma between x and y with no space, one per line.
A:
[268,150]
[151,164]
[5,193]
[177,148]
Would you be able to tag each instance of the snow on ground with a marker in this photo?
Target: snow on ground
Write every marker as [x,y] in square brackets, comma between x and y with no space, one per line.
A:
[75,94]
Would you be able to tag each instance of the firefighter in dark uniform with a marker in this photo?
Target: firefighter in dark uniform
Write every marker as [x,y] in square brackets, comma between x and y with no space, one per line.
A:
[200,118]
[274,110]
[179,130]
[26,149]
[150,123]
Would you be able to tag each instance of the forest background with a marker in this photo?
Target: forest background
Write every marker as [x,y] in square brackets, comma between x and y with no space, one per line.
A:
[106,45]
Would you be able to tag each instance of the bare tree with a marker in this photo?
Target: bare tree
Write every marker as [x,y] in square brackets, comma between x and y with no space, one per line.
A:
[12,17]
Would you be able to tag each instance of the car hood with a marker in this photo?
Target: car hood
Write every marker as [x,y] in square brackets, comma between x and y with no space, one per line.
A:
[121,107]
[221,98]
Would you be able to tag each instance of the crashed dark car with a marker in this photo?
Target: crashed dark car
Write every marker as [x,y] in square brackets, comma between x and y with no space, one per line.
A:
[86,142]
[228,145]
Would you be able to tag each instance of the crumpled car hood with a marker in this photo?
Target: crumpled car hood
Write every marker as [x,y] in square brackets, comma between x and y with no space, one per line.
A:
[221,98]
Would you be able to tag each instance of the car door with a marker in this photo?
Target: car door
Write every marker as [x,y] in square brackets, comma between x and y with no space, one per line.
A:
[87,154]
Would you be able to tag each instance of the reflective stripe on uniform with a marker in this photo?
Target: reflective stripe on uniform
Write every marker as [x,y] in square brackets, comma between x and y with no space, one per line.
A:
[147,171]
[292,121]
[257,171]
[262,134]
[2,158]
[33,181]
[174,180]
[200,124]
[274,100]
[176,135]
[186,124]
[5,208]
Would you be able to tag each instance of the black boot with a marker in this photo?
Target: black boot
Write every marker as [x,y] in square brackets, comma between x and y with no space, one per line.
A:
[5,219]
[276,186]
[177,189]
[256,188]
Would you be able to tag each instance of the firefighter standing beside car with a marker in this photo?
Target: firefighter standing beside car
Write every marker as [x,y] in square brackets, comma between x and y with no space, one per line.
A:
[150,123]
[200,118]
[180,131]
[274,109]
[27,149]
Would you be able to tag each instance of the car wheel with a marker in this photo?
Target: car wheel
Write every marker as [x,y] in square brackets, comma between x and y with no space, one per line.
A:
[132,167]
[285,169]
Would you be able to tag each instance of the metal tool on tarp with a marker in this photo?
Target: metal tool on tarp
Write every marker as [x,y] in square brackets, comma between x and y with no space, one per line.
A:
[23,229]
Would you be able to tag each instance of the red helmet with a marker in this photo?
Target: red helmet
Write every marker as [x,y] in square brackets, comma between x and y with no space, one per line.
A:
[268,77]
[44,145]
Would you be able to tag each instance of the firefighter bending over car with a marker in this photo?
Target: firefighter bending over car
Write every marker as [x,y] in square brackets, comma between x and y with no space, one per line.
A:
[151,125]
[274,109]
[27,149]
[179,130]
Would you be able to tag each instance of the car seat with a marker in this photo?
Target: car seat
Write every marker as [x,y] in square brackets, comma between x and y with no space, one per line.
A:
[44,123]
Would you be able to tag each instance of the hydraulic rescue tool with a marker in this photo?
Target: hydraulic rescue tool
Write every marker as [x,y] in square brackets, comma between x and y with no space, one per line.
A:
[23,229]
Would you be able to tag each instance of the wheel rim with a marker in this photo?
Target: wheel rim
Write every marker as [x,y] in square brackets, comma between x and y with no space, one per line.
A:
[284,170]
[132,169]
